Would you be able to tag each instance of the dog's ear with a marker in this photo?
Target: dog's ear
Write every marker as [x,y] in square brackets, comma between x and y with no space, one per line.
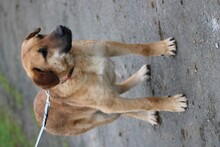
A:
[33,34]
[45,79]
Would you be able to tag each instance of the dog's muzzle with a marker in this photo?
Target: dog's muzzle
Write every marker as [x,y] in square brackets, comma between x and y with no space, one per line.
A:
[60,30]
[63,36]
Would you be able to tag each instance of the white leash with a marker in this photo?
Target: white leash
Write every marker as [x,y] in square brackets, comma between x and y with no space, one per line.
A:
[46,110]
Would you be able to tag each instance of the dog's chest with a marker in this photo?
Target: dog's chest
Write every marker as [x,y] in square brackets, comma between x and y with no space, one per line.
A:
[92,77]
[100,66]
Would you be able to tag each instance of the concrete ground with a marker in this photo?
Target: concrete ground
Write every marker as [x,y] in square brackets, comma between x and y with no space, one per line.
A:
[195,70]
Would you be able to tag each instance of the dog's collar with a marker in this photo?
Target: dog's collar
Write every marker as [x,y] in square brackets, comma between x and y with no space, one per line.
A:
[44,122]
[68,76]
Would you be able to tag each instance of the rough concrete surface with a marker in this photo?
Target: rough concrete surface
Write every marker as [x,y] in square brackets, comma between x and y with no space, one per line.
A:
[195,70]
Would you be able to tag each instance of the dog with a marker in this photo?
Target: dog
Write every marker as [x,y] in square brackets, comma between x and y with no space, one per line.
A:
[81,80]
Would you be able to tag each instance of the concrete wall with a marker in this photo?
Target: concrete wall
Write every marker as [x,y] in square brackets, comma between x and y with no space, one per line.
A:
[194,71]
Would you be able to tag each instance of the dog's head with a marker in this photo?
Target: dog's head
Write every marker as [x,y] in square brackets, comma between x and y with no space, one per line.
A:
[47,58]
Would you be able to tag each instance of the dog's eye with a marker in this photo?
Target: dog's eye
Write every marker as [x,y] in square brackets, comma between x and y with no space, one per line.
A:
[38,69]
[40,36]
[43,51]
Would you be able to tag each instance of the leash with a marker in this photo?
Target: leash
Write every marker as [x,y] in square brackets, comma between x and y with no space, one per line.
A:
[46,110]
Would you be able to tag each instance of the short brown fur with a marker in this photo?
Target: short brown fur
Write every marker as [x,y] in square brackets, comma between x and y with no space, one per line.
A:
[90,97]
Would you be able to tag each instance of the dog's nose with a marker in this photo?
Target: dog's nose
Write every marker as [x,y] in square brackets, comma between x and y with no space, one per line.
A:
[60,30]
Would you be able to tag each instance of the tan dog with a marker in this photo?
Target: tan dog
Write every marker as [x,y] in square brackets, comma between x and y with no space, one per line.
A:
[81,79]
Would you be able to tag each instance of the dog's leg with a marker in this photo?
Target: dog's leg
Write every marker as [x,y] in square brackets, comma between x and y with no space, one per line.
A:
[166,47]
[151,117]
[141,75]
[100,118]
[91,121]
[177,103]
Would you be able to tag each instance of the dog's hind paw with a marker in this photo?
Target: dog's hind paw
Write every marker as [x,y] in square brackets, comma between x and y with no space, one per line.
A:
[180,102]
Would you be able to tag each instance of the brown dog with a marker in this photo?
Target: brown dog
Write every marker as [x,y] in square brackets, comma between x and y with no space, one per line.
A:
[81,79]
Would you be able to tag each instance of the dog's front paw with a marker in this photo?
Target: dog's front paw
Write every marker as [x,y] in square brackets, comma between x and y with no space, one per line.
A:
[180,103]
[143,73]
[171,47]
[153,118]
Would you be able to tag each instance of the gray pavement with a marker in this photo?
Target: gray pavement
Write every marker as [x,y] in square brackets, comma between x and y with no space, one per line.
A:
[195,70]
